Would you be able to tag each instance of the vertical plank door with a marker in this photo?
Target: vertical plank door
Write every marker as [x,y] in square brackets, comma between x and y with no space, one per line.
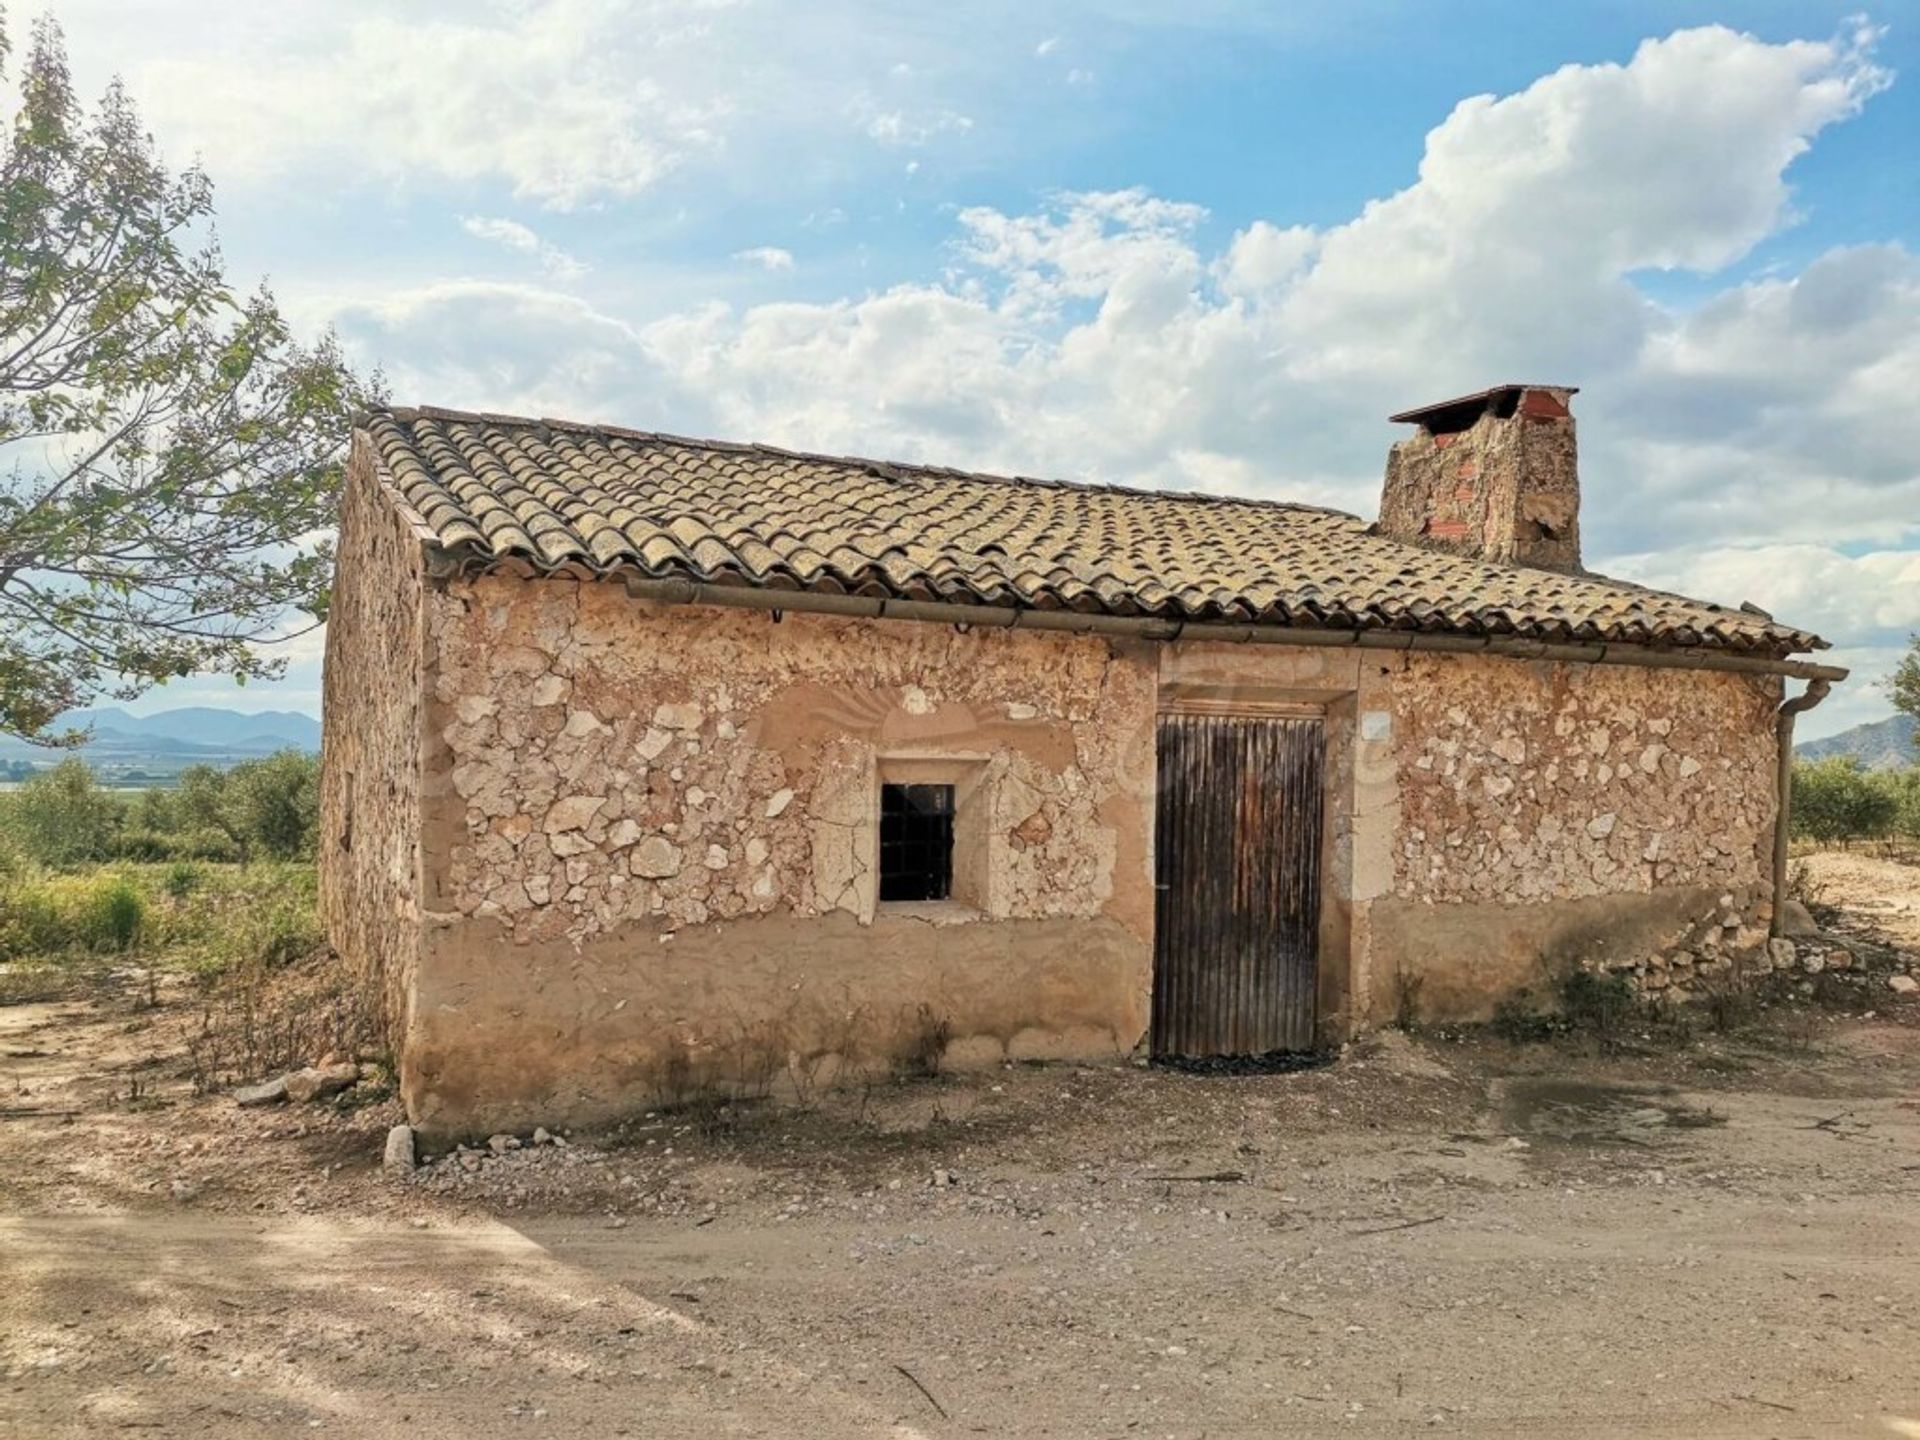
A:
[1237,873]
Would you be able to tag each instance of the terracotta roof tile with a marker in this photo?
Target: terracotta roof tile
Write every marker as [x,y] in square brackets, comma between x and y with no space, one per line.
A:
[495,488]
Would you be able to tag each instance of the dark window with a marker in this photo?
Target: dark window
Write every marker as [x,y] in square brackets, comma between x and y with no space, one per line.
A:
[916,842]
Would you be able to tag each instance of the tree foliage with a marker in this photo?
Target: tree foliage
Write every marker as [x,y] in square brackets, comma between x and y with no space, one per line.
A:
[1836,800]
[1904,683]
[273,805]
[267,809]
[167,451]
[62,818]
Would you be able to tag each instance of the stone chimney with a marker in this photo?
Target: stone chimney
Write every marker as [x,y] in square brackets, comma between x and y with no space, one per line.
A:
[1492,475]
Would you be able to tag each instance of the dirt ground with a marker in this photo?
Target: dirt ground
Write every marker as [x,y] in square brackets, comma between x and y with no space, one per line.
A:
[1443,1234]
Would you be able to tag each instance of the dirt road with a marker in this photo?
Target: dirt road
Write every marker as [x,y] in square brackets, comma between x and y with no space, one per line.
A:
[1444,1235]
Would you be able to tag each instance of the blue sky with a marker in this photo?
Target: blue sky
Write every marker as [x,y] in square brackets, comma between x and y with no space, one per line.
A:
[1200,244]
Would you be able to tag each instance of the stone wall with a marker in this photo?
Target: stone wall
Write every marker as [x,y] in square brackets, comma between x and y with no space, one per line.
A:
[614,786]
[1611,817]
[588,847]
[1536,782]
[370,760]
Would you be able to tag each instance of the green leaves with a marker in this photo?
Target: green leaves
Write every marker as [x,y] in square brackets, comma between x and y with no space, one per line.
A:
[1904,683]
[167,450]
[1837,800]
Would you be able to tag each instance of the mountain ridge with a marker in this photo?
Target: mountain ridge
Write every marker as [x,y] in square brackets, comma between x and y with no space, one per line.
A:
[187,734]
[1878,745]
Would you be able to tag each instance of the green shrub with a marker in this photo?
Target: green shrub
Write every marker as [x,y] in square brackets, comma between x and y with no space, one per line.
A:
[151,811]
[111,913]
[280,931]
[273,805]
[265,809]
[55,915]
[211,845]
[199,917]
[143,845]
[199,802]
[1904,786]
[1600,1003]
[1837,801]
[232,915]
[31,921]
[62,818]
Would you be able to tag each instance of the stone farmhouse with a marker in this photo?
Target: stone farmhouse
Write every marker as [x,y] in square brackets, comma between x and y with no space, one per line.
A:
[653,762]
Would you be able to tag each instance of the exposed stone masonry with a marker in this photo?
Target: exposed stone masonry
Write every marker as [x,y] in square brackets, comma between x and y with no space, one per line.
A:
[603,775]
[1494,476]
[1533,783]
[370,775]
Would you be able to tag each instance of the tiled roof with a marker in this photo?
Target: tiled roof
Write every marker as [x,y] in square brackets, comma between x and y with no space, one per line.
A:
[495,488]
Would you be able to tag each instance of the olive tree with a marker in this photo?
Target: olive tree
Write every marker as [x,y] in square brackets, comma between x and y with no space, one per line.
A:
[1837,801]
[169,454]
[1904,683]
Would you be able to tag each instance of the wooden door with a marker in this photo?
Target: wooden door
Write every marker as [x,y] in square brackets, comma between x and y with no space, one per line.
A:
[1237,874]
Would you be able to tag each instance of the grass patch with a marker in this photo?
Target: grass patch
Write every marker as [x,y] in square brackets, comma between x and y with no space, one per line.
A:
[200,918]
[1601,1006]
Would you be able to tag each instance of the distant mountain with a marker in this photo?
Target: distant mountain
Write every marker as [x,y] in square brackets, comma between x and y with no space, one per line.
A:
[1882,745]
[203,725]
[169,739]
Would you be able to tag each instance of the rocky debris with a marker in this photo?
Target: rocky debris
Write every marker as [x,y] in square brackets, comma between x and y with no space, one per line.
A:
[1903,984]
[1796,923]
[538,1171]
[317,1082]
[267,1092]
[304,1086]
[1720,944]
[399,1155]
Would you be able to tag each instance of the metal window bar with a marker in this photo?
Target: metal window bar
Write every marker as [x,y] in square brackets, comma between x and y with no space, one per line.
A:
[916,842]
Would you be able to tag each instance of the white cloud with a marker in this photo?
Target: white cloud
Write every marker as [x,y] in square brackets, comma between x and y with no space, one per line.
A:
[1098,335]
[510,233]
[484,345]
[1264,257]
[1542,204]
[1047,46]
[899,127]
[1744,447]
[1867,604]
[570,104]
[524,240]
[767,257]
[1812,585]
[570,101]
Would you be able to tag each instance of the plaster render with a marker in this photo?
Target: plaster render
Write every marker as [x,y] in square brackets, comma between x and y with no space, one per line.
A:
[614,779]
[1541,782]
[597,838]
[1612,818]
